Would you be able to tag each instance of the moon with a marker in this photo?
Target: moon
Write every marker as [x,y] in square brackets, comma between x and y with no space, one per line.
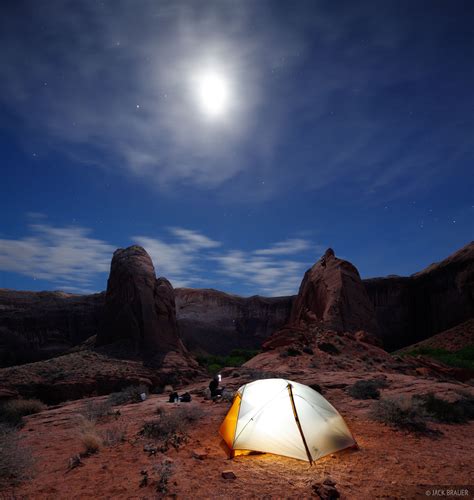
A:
[213,93]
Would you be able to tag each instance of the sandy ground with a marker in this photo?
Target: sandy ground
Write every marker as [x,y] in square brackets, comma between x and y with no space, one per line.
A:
[389,463]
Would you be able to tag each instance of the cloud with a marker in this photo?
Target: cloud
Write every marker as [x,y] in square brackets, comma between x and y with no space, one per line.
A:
[286,247]
[193,260]
[179,260]
[320,95]
[65,256]
[266,276]
[71,260]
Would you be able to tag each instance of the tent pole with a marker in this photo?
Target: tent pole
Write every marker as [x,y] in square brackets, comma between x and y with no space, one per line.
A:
[298,423]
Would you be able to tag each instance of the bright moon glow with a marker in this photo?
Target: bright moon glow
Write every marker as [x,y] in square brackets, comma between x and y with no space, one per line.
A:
[213,94]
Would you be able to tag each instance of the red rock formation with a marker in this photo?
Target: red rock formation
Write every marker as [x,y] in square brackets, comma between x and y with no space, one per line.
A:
[414,308]
[139,308]
[217,322]
[333,295]
[40,325]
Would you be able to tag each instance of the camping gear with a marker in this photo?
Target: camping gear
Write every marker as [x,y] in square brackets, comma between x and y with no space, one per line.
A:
[285,418]
[185,398]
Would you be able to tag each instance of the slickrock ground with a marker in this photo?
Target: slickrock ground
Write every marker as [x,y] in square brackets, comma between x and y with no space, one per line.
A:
[389,464]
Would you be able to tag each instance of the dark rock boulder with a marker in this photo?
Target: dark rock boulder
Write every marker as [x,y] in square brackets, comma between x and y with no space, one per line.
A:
[333,295]
[139,309]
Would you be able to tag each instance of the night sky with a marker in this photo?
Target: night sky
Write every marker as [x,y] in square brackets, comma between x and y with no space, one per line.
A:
[235,140]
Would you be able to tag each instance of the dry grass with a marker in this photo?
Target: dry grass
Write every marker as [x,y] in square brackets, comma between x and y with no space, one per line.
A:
[163,472]
[16,463]
[131,394]
[12,412]
[97,410]
[90,437]
[404,413]
[171,427]
[114,435]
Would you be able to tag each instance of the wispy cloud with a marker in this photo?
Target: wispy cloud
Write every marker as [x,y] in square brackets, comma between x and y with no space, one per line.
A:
[179,259]
[290,246]
[68,257]
[319,95]
[268,276]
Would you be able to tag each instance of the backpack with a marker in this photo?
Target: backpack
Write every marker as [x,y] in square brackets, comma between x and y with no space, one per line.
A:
[185,398]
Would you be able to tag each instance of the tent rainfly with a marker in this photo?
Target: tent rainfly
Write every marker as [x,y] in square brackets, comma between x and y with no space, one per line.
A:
[285,418]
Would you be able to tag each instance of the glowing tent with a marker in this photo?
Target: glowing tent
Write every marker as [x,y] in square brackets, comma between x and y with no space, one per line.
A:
[285,418]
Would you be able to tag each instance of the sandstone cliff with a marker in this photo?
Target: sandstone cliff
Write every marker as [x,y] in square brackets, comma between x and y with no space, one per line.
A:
[39,325]
[217,322]
[410,309]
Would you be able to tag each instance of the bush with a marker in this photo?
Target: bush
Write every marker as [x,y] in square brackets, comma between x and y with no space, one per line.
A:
[12,412]
[403,413]
[91,442]
[130,394]
[96,410]
[291,351]
[90,437]
[171,426]
[364,389]
[236,357]
[163,472]
[443,411]
[114,435]
[462,358]
[328,347]
[16,463]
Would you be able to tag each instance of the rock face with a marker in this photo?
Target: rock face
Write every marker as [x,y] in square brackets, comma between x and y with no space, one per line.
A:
[139,308]
[414,308]
[217,322]
[333,295]
[39,325]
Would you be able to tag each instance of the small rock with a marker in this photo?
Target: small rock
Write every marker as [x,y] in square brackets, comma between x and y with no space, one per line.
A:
[326,490]
[74,462]
[228,474]
[199,453]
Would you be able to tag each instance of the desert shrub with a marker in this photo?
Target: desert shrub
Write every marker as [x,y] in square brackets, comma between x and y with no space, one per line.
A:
[364,389]
[113,435]
[462,358]
[308,350]
[163,472]
[228,395]
[12,412]
[130,394]
[171,426]
[291,351]
[16,463]
[97,410]
[328,347]
[236,357]
[443,411]
[89,436]
[403,413]
[91,442]
[466,403]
